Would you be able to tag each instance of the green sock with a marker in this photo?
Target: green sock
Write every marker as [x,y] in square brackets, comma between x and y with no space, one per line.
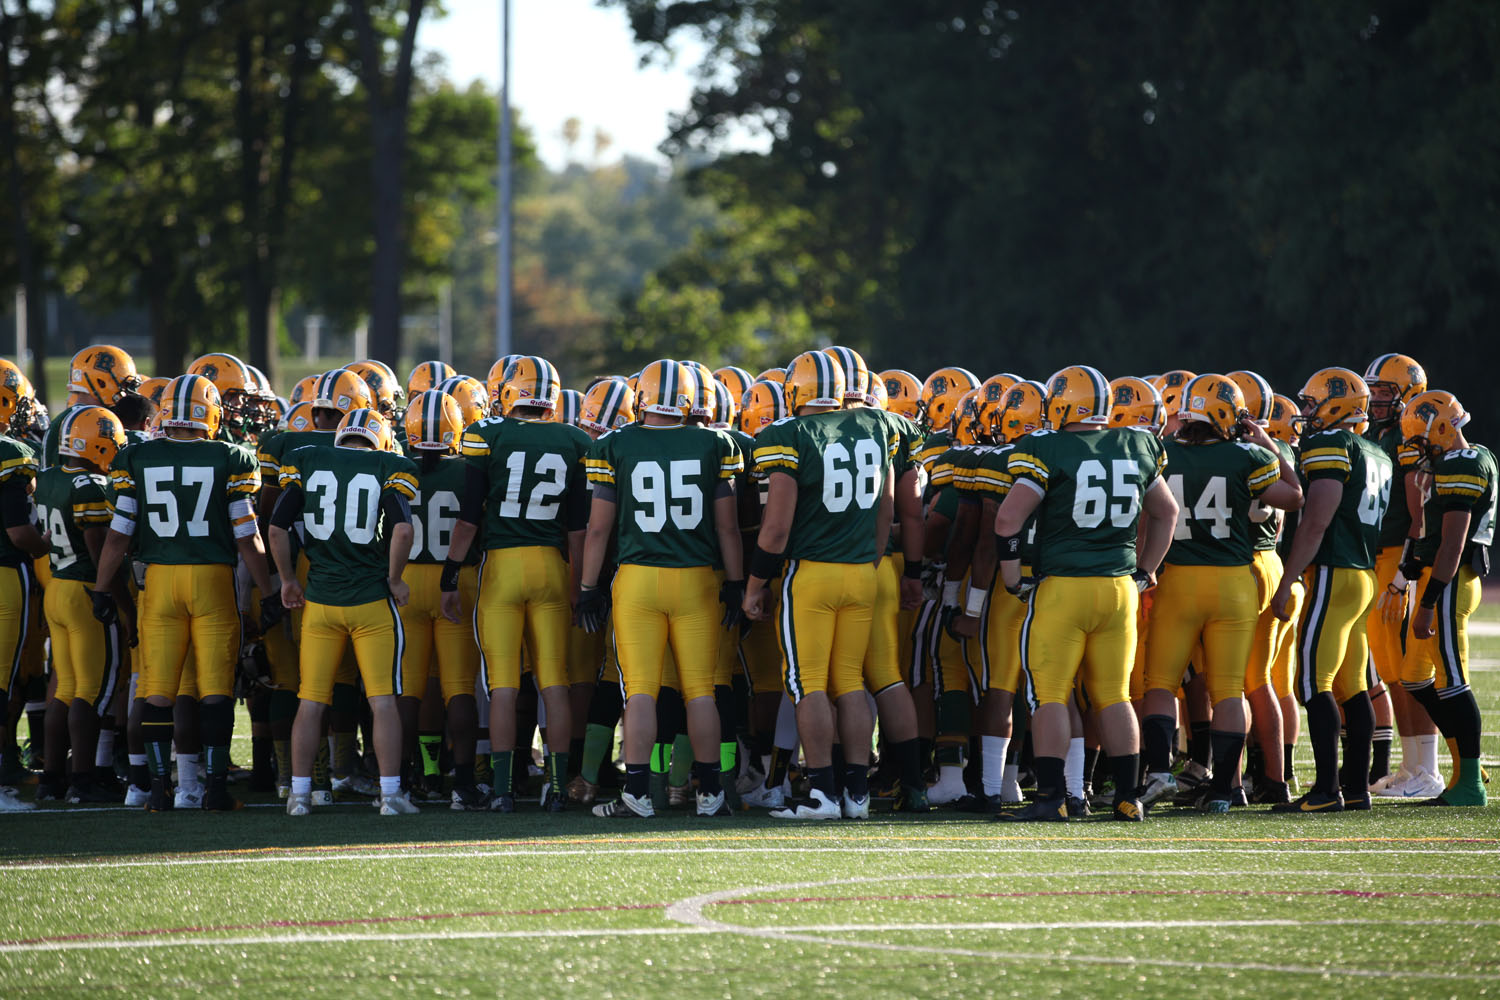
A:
[682,761]
[283,750]
[557,770]
[431,745]
[343,754]
[661,757]
[728,755]
[217,763]
[597,742]
[320,767]
[500,763]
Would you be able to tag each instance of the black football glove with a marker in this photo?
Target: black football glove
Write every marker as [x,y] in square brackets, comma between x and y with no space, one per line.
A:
[732,596]
[104,607]
[1411,564]
[592,609]
[1143,581]
[271,611]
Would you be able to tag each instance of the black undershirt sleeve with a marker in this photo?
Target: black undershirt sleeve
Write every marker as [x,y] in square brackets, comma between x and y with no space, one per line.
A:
[288,508]
[15,506]
[471,504]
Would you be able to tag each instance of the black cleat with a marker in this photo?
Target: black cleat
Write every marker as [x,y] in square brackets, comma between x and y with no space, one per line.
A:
[1128,811]
[216,798]
[1040,811]
[1078,807]
[1271,793]
[161,800]
[1312,802]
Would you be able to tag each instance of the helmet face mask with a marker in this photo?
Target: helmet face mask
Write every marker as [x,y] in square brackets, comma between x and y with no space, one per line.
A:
[1394,379]
[1431,424]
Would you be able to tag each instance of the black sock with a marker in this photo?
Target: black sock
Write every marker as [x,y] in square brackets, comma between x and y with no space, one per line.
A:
[575,757]
[908,766]
[1198,743]
[1464,719]
[924,753]
[1157,732]
[638,780]
[1427,697]
[1288,750]
[1380,753]
[1050,782]
[1126,769]
[822,780]
[707,774]
[1226,750]
[1090,760]
[857,780]
[1323,731]
[781,759]
[1359,721]
[1255,762]
[838,768]
[156,733]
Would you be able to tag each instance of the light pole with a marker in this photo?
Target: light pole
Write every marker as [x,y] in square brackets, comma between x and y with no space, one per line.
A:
[503,263]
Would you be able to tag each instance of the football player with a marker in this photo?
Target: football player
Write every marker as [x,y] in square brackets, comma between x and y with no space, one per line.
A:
[1461,530]
[352,501]
[186,501]
[1218,463]
[828,517]
[1087,488]
[664,490]
[101,375]
[1348,488]
[526,487]
[72,504]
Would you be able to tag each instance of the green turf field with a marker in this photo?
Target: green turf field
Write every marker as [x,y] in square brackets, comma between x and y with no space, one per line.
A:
[1404,901]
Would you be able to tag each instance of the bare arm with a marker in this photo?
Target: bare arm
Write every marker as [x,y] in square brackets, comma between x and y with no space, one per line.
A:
[30,541]
[111,559]
[401,539]
[1161,521]
[253,552]
[961,540]
[596,540]
[1323,497]
[1451,548]
[883,518]
[727,526]
[460,540]
[1018,506]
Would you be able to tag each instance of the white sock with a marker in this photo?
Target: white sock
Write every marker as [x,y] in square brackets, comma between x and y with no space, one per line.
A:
[1409,754]
[187,770]
[301,786]
[481,749]
[1010,791]
[786,724]
[541,713]
[1073,768]
[36,706]
[1427,752]
[992,750]
[389,784]
[104,754]
[137,759]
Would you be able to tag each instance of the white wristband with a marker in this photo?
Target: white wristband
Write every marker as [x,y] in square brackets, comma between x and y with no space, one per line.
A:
[950,593]
[974,602]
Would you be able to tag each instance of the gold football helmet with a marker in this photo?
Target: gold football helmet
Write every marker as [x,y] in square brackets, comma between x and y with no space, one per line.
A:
[104,372]
[91,433]
[434,422]
[856,373]
[193,403]
[1135,402]
[1214,400]
[1258,395]
[1024,410]
[763,405]
[903,393]
[530,382]
[1170,386]
[1333,397]
[814,379]
[607,405]
[941,394]
[1078,394]
[1393,380]
[1431,422]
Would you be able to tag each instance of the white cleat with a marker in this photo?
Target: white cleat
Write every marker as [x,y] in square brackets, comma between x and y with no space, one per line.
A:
[136,797]
[815,806]
[1010,791]
[1423,785]
[752,779]
[1397,777]
[856,808]
[627,806]
[324,797]
[298,805]
[764,798]
[1159,784]
[713,805]
[188,798]
[11,802]
[1192,775]
[356,784]
[397,805]
[946,791]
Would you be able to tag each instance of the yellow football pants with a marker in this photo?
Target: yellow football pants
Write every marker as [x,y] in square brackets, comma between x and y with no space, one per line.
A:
[1217,605]
[1444,658]
[1268,570]
[328,630]
[585,655]
[523,600]
[882,664]
[15,620]
[824,626]
[1333,650]
[1079,623]
[658,608]
[1385,638]
[85,654]
[1284,662]
[1000,640]
[183,610]
[428,633]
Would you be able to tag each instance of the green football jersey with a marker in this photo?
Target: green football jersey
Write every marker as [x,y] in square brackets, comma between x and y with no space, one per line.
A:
[909,442]
[931,448]
[665,481]
[1266,522]
[535,471]
[434,510]
[17,459]
[748,488]
[1364,470]
[1465,479]
[839,459]
[989,479]
[185,501]
[1215,485]
[342,529]
[1396,524]
[68,500]
[1091,483]
[953,467]
[273,449]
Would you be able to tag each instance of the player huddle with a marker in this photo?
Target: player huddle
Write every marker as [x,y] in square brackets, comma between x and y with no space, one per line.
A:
[1019,581]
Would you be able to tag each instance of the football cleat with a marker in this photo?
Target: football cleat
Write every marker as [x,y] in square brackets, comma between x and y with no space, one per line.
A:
[627,806]
[470,800]
[770,798]
[92,791]
[1193,774]
[713,805]
[356,784]
[398,804]
[1159,785]
[136,796]
[679,795]
[298,805]
[324,797]
[1397,777]
[1465,797]
[856,808]
[503,804]
[1313,801]
[1213,802]
[815,806]
[10,802]
[1128,811]
[1039,811]
[1356,801]
[1077,806]
[1271,793]
[188,798]
[1422,785]
[1237,797]
[911,799]
[949,788]
[749,780]
[46,791]
[216,798]
[582,791]
[553,801]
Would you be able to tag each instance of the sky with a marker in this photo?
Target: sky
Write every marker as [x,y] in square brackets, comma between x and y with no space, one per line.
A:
[569,58]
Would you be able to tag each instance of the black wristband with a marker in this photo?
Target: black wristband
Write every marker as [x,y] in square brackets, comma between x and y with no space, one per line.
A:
[913,570]
[766,565]
[448,580]
[1007,546]
[1433,591]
